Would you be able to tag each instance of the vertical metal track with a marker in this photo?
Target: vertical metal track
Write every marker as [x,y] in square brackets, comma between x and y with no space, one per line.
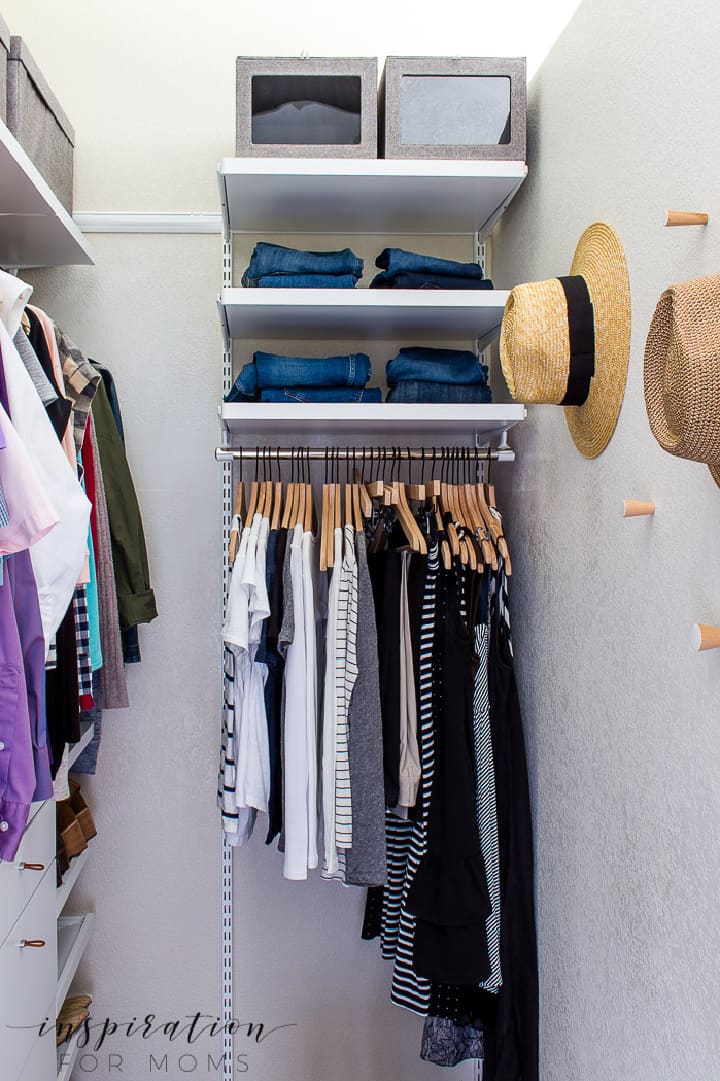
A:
[227,849]
[480,255]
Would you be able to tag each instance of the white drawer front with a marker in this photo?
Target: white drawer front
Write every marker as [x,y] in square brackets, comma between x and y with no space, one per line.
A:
[18,883]
[28,976]
[41,1064]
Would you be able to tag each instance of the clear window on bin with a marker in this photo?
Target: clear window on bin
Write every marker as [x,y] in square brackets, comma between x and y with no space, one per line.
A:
[449,110]
[306,109]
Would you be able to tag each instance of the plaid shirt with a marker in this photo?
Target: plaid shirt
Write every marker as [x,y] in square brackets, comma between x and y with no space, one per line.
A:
[81,383]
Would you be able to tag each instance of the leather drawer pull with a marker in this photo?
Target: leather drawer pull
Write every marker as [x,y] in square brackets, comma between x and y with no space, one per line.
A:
[36,942]
[32,866]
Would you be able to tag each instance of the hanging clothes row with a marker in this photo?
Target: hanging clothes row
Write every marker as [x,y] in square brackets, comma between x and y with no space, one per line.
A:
[73,567]
[371,714]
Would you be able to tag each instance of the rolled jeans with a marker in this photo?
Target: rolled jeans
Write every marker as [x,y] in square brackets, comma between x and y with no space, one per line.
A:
[420,392]
[274,370]
[409,279]
[275,259]
[426,364]
[394,260]
[321,394]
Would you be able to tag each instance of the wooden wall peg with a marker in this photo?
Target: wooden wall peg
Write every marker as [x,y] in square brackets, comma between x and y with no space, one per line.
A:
[633,508]
[705,637]
[686,217]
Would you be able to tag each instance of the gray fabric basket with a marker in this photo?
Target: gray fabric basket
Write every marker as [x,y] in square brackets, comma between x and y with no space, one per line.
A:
[37,121]
[4,51]
[363,69]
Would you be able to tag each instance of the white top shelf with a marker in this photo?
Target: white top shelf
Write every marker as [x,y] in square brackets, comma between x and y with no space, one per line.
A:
[446,424]
[35,228]
[363,314]
[365,195]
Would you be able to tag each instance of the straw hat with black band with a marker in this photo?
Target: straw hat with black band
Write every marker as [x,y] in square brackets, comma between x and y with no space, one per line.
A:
[566,341]
[682,372]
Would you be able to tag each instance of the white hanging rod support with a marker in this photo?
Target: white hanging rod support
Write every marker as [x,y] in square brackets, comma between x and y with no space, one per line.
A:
[148,223]
[429,455]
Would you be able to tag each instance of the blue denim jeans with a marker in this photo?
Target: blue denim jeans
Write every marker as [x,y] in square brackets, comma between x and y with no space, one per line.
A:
[394,260]
[275,259]
[321,394]
[418,362]
[417,279]
[415,390]
[305,281]
[273,370]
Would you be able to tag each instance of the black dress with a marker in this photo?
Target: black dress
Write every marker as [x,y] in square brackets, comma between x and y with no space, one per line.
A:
[449,894]
[502,1027]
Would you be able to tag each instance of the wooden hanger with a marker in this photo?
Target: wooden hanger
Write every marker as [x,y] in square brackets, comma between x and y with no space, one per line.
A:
[476,526]
[238,510]
[325,518]
[446,507]
[289,494]
[414,492]
[358,491]
[376,488]
[337,508]
[254,491]
[408,523]
[277,504]
[433,489]
[487,539]
[309,509]
[357,508]
[497,529]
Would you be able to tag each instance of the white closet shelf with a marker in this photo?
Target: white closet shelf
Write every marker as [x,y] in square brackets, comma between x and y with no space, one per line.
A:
[35,228]
[73,935]
[87,731]
[363,314]
[69,879]
[365,195]
[442,424]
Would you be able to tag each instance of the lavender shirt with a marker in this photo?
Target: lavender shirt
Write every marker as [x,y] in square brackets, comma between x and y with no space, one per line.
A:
[17,771]
[24,764]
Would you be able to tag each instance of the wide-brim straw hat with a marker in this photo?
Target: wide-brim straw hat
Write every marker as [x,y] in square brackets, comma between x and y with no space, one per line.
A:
[682,372]
[535,339]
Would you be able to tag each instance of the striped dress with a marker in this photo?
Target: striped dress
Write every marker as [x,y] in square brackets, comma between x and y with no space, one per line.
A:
[408,990]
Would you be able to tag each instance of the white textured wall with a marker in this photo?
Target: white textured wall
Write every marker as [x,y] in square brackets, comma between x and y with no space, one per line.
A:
[150,90]
[622,717]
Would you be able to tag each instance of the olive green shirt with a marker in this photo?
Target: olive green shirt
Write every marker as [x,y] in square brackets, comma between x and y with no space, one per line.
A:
[136,600]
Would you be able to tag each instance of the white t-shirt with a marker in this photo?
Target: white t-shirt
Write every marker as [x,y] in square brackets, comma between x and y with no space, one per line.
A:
[329,718]
[247,608]
[313,611]
[295,758]
[58,558]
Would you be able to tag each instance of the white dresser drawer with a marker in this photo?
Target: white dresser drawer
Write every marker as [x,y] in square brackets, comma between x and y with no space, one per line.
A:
[28,975]
[17,882]
[42,1061]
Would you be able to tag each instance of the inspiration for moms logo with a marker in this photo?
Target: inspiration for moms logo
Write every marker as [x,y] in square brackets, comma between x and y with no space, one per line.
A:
[97,1045]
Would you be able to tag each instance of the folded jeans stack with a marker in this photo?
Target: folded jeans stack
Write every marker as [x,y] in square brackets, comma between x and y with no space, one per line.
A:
[409,270]
[270,377]
[448,376]
[273,266]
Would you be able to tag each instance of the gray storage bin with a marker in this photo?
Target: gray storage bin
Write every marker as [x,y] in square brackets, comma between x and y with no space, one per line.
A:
[308,107]
[453,107]
[4,51]
[37,121]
